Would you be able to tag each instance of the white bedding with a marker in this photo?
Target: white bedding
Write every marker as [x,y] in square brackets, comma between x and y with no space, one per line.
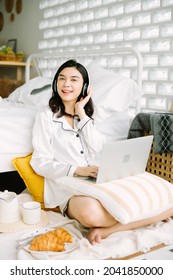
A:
[15,118]
[16,121]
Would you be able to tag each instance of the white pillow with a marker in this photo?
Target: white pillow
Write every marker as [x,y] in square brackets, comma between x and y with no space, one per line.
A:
[116,126]
[41,98]
[111,91]
[130,199]
[139,197]
[37,91]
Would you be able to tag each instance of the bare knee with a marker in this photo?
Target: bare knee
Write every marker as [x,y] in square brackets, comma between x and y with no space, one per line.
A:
[88,211]
[90,216]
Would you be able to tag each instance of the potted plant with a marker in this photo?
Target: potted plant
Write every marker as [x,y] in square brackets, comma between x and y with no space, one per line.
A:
[19,56]
[6,53]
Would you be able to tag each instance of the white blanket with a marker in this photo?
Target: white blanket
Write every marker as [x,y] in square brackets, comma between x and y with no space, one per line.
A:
[16,121]
[117,245]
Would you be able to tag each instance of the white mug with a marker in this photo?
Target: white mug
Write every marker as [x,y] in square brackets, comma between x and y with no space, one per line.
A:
[31,212]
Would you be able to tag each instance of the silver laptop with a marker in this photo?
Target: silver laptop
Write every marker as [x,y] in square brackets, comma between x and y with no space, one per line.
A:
[124,158]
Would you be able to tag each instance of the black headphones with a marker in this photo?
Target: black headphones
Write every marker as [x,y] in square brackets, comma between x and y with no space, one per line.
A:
[54,87]
[54,84]
[85,90]
[72,63]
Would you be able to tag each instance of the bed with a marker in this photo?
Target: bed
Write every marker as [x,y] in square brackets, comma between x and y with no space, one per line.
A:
[20,108]
[17,112]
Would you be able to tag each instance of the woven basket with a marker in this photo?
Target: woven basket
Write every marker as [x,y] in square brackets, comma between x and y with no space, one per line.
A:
[8,57]
[11,57]
[19,57]
[3,57]
[160,164]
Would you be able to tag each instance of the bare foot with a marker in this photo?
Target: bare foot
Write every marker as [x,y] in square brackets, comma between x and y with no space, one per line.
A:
[94,236]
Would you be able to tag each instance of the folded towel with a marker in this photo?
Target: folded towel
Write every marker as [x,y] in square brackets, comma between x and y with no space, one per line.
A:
[140,123]
[162,129]
[161,126]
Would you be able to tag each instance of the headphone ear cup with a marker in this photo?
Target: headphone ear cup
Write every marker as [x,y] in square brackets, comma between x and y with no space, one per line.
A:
[54,86]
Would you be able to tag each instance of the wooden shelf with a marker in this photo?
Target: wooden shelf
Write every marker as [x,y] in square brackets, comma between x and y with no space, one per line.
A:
[12,63]
[19,66]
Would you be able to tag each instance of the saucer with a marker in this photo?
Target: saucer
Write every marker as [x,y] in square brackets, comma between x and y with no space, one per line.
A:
[19,226]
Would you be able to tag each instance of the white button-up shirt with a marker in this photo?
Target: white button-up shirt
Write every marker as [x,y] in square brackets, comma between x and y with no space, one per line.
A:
[59,149]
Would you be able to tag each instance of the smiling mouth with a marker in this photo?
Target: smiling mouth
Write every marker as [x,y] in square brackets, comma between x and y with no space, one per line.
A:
[66,92]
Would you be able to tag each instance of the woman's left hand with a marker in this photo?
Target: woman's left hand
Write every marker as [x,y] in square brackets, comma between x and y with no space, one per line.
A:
[79,106]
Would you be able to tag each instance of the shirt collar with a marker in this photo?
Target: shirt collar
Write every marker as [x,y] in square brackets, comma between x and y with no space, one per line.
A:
[65,124]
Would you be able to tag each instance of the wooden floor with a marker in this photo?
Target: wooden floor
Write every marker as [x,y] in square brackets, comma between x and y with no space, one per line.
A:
[157,250]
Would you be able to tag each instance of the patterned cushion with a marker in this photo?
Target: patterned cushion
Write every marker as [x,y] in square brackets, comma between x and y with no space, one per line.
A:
[162,129]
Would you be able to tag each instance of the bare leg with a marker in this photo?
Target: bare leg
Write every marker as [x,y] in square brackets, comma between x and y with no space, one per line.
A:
[104,232]
[90,213]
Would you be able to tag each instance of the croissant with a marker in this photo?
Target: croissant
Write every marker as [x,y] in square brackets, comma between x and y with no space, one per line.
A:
[51,241]
[47,244]
[64,235]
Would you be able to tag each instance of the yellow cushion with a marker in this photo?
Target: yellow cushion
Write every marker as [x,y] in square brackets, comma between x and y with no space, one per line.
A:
[33,181]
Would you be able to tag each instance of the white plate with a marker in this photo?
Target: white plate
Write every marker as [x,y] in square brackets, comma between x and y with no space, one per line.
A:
[45,254]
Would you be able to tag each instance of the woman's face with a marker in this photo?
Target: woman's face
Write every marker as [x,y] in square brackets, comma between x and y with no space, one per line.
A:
[69,84]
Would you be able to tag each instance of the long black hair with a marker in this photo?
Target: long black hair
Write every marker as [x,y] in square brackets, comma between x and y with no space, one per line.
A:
[55,102]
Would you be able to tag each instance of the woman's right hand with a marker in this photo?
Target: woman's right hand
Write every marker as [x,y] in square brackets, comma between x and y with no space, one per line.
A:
[79,106]
[88,171]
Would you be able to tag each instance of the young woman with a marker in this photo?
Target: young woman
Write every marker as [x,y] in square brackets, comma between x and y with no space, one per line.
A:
[66,143]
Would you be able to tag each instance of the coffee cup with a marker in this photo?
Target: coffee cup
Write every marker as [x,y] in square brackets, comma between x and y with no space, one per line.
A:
[31,212]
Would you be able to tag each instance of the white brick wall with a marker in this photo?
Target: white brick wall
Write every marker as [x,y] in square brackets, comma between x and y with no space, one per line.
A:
[144,24]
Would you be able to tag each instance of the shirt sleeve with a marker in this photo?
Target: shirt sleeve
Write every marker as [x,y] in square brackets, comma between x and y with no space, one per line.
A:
[42,160]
